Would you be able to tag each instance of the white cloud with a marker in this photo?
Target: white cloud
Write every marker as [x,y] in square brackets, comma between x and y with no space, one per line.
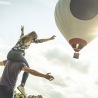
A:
[5,2]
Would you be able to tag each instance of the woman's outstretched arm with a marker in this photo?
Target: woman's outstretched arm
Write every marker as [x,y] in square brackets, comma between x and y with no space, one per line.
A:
[43,40]
[22,31]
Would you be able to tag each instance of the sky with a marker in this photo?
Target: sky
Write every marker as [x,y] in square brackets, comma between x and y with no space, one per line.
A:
[74,78]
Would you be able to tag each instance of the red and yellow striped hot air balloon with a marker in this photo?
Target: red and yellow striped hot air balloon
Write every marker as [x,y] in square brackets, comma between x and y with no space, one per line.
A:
[77,20]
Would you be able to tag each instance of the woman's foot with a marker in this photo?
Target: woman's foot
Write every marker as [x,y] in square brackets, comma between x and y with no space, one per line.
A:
[22,90]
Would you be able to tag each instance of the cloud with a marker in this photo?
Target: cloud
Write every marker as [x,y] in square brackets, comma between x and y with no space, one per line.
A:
[5,2]
[59,56]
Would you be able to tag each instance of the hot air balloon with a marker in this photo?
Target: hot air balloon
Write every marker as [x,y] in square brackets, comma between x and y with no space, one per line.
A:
[77,20]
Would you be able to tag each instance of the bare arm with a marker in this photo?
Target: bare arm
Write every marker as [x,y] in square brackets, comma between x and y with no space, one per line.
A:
[43,40]
[51,38]
[22,31]
[2,63]
[36,73]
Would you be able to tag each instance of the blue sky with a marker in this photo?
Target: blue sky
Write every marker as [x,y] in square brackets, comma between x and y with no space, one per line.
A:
[73,78]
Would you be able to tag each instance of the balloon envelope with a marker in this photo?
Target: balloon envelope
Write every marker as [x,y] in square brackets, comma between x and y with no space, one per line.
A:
[77,20]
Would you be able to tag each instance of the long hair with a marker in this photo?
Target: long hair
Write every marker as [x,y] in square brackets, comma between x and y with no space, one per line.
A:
[26,37]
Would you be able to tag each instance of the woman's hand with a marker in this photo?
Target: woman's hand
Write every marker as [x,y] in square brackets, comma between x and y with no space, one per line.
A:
[53,37]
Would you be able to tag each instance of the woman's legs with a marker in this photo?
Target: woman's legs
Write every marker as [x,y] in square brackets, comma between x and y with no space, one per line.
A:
[18,56]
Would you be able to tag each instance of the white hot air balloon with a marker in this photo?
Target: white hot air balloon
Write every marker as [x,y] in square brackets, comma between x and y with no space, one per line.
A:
[77,20]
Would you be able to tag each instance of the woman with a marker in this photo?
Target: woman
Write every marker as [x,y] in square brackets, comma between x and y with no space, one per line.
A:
[18,51]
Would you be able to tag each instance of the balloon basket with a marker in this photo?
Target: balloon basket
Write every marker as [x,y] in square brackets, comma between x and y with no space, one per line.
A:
[76,55]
